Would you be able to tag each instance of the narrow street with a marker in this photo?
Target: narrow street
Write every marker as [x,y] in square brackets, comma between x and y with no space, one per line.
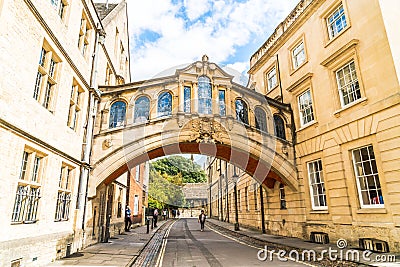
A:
[186,245]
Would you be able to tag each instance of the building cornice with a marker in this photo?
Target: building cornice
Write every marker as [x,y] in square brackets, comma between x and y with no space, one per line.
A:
[293,22]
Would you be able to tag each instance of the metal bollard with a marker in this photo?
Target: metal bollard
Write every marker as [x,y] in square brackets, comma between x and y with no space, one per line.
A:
[148,225]
[152,223]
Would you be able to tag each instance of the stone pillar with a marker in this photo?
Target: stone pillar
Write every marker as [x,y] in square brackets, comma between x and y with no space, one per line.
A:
[195,99]
[105,116]
[214,102]
[181,97]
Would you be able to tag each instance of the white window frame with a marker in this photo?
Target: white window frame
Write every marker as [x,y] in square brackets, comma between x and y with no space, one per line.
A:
[272,79]
[331,26]
[26,204]
[136,205]
[358,176]
[137,173]
[296,52]
[64,194]
[354,84]
[303,107]
[312,184]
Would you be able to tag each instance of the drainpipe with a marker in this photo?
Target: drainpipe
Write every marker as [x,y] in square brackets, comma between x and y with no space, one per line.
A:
[262,210]
[89,129]
[226,191]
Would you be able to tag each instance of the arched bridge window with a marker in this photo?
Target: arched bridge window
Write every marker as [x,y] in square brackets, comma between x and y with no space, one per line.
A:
[117,114]
[279,127]
[242,113]
[205,95]
[164,106]
[142,109]
[261,119]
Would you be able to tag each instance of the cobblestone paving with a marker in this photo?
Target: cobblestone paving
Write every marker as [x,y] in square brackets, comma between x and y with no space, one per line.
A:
[148,255]
[276,246]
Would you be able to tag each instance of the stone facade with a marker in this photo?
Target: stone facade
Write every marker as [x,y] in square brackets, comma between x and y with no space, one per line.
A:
[339,61]
[48,92]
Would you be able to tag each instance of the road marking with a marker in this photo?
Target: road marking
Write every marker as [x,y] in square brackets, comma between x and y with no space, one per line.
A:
[164,245]
[238,241]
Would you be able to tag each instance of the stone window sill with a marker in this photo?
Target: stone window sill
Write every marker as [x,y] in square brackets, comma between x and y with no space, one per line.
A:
[314,122]
[319,212]
[372,211]
[337,112]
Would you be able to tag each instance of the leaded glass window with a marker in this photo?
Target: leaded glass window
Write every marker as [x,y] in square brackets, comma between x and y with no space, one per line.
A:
[261,119]
[164,104]
[205,95]
[279,127]
[241,111]
[117,114]
[142,109]
[222,106]
[187,92]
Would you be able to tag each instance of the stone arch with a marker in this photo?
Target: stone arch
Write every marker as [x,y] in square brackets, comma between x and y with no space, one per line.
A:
[253,153]
[114,99]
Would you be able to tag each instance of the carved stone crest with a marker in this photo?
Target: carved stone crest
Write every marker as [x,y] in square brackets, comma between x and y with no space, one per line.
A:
[206,130]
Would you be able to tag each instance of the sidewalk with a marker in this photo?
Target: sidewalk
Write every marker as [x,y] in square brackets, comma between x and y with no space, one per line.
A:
[120,251]
[299,244]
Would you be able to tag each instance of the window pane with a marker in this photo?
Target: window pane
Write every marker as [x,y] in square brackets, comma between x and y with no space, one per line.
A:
[241,111]
[305,108]
[165,104]
[205,95]
[35,172]
[221,98]
[279,127]
[142,109]
[368,183]
[261,119]
[348,85]
[317,185]
[117,114]
[336,22]
[187,99]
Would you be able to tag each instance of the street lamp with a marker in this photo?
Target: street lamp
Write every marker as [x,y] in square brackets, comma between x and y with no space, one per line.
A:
[235,178]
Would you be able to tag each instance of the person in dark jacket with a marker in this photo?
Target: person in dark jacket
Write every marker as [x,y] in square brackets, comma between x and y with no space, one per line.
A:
[202,220]
[128,219]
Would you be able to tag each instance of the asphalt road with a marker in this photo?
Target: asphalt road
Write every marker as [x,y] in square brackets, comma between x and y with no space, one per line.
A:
[187,246]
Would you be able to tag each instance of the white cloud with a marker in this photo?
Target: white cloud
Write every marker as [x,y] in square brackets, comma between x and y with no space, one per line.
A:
[185,38]
[196,8]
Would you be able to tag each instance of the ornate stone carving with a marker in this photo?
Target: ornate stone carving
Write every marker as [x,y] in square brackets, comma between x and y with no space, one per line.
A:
[206,130]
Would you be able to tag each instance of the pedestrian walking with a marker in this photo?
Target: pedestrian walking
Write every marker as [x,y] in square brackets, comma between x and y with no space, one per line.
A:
[155,217]
[202,220]
[164,214]
[128,219]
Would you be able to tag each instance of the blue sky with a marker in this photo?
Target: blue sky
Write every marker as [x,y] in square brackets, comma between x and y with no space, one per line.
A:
[167,33]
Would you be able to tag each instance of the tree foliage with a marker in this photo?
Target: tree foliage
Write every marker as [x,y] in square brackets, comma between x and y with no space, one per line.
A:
[191,172]
[167,176]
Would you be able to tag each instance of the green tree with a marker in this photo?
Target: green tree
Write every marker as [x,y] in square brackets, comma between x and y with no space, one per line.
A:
[165,190]
[191,172]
